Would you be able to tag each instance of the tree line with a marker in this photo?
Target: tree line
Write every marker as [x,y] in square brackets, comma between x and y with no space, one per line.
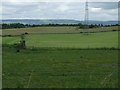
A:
[19,25]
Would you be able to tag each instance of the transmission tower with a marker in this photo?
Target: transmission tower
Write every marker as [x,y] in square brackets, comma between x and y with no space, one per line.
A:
[86,17]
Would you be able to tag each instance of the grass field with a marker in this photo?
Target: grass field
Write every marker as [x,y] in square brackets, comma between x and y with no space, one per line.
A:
[47,68]
[59,60]
[97,40]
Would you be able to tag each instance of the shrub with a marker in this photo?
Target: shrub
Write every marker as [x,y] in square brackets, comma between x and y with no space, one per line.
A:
[114,30]
[17,45]
[22,36]
[9,35]
[26,33]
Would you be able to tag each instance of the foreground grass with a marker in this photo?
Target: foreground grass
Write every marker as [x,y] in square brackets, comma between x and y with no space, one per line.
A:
[93,40]
[63,68]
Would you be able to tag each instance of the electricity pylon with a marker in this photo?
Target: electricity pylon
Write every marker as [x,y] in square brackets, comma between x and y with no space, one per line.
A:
[86,27]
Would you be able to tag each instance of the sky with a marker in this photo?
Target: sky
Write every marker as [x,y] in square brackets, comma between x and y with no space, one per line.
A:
[102,11]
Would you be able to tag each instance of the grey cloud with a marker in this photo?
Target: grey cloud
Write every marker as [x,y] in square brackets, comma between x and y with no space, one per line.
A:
[51,10]
[104,5]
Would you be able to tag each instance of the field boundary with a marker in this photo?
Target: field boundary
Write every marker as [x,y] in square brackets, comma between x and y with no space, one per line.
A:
[60,48]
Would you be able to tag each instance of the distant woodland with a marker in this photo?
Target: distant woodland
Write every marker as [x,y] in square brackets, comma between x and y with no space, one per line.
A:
[19,25]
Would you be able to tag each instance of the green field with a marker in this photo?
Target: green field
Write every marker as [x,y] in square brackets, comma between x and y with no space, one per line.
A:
[60,58]
[97,40]
[60,68]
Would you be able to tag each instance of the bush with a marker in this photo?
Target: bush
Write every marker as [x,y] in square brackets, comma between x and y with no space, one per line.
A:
[114,30]
[81,32]
[9,35]
[26,33]
[22,36]
[17,45]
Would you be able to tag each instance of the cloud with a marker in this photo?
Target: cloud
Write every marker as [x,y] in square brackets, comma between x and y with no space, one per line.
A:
[95,9]
[104,5]
[104,15]
[59,10]
[103,11]
[60,0]
[62,8]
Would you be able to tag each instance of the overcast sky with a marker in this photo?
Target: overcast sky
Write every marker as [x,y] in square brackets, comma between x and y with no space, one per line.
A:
[103,11]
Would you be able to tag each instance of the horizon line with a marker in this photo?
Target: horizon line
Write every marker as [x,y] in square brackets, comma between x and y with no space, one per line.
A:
[50,19]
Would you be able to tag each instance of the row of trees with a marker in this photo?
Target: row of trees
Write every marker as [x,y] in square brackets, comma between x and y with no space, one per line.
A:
[14,25]
[19,25]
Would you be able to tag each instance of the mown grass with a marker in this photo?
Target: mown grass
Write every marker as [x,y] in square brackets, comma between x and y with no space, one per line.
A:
[63,68]
[93,40]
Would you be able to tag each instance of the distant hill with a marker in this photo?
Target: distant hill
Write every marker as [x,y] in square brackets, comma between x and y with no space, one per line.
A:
[57,21]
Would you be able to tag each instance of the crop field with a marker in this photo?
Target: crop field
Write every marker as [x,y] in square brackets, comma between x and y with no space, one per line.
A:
[60,57]
[57,29]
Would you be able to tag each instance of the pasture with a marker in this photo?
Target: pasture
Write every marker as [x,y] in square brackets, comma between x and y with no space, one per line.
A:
[60,68]
[61,57]
[64,37]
